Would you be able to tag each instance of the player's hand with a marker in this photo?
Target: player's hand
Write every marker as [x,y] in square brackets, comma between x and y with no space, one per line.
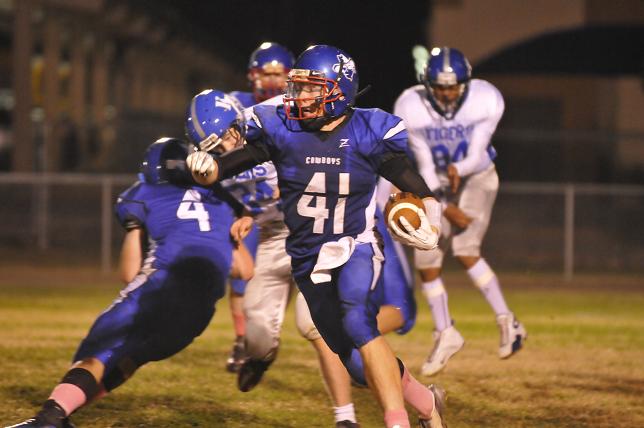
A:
[203,167]
[427,234]
[276,192]
[241,228]
[454,178]
[456,216]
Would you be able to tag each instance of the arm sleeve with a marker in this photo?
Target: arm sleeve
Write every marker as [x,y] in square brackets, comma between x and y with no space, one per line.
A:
[477,158]
[383,190]
[398,169]
[254,152]
[239,160]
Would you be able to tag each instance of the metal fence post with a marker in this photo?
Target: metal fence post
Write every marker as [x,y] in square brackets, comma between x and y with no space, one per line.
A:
[42,213]
[569,231]
[106,224]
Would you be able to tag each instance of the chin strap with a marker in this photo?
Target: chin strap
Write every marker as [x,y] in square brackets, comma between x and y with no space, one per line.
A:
[316,124]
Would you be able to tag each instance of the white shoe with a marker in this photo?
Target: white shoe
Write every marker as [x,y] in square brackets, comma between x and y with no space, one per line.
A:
[513,335]
[436,420]
[446,343]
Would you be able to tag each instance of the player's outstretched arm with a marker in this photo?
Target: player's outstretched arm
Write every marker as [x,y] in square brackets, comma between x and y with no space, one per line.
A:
[207,170]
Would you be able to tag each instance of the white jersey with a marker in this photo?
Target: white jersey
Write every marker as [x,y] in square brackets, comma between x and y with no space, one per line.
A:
[255,189]
[463,141]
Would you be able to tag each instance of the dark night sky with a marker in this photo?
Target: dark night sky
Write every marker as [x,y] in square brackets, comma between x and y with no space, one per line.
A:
[378,33]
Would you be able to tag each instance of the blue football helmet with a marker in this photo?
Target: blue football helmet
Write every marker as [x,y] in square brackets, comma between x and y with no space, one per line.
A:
[165,162]
[334,74]
[267,70]
[210,116]
[447,68]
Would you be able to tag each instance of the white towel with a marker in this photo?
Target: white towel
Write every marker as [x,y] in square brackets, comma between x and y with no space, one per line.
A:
[332,255]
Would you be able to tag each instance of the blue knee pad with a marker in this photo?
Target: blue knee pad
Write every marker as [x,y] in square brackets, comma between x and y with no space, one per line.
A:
[353,362]
[251,241]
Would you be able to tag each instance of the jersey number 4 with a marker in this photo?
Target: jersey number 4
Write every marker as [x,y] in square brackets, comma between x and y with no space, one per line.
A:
[191,208]
[318,211]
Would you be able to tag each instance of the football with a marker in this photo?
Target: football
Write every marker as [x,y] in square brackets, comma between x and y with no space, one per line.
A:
[403,204]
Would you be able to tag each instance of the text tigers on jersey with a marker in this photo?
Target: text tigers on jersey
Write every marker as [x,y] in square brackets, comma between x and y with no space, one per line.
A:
[456,132]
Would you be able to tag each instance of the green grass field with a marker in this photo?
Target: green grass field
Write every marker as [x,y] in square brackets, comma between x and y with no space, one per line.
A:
[583,365]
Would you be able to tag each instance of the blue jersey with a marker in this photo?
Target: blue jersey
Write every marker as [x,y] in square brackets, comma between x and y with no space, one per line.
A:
[327,179]
[246,99]
[180,222]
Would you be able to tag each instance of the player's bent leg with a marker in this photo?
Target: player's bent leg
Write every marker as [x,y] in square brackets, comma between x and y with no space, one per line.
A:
[427,401]
[265,303]
[447,340]
[512,335]
[390,318]
[335,375]
[382,373]
[436,419]
[236,302]
[76,388]
[446,343]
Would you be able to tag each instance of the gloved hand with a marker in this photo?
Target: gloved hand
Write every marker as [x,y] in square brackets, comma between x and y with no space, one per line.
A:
[427,234]
[203,167]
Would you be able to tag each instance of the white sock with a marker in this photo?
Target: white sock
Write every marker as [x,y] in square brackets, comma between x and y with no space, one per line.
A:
[485,279]
[345,413]
[436,296]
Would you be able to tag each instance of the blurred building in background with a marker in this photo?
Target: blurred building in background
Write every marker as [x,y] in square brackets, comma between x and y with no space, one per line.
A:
[572,74]
[76,76]
[86,85]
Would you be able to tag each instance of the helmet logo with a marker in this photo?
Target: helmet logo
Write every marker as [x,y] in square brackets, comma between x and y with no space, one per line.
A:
[222,103]
[348,66]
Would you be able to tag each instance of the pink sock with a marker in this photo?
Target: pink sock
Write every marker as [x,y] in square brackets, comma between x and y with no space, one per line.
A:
[68,396]
[240,324]
[397,418]
[417,395]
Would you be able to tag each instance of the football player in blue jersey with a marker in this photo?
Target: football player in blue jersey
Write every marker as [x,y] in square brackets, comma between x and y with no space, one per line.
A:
[170,297]
[328,156]
[268,69]
[214,126]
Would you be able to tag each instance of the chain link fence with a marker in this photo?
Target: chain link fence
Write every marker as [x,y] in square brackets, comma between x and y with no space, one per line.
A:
[67,219]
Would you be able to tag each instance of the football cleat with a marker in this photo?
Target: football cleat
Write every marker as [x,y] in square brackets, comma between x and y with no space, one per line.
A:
[446,343]
[436,420]
[237,355]
[347,424]
[250,373]
[39,423]
[51,416]
[513,334]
